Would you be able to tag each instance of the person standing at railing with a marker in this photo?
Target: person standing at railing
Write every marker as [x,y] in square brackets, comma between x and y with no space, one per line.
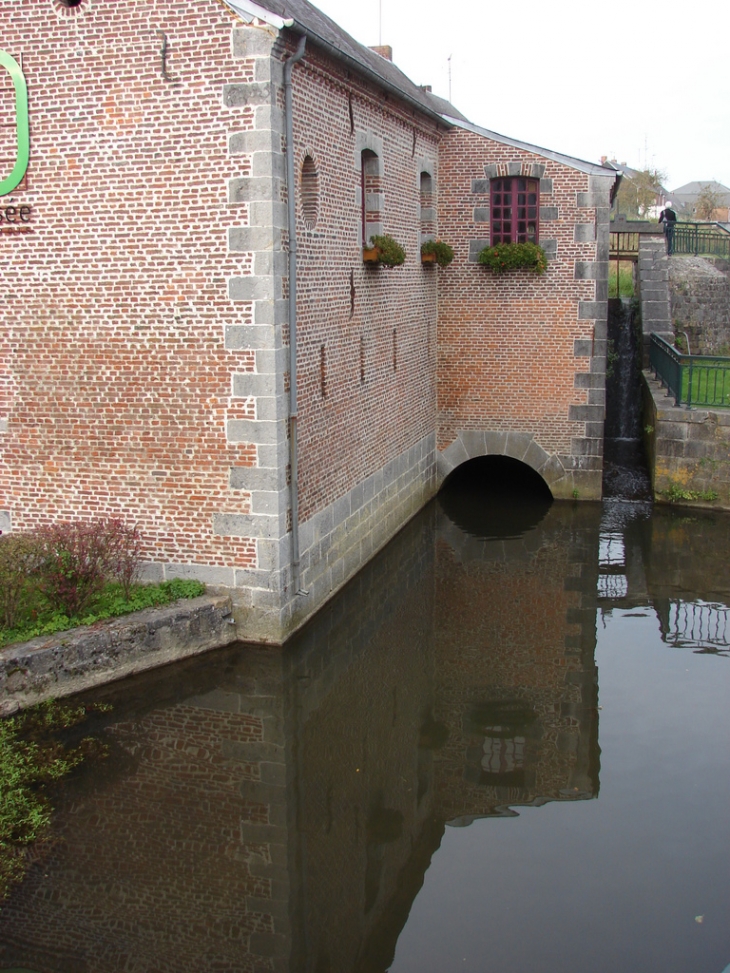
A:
[668,217]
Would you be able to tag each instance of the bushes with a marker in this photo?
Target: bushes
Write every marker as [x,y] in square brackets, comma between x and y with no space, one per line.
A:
[19,561]
[78,558]
[75,573]
[443,253]
[389,251]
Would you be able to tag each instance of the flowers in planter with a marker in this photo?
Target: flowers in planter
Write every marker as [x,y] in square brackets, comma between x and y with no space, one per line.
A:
[511,256]
[384,250]
[436,251]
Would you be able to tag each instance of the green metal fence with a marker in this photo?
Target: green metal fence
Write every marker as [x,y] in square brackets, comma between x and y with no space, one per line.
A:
[693,380]
[701,238]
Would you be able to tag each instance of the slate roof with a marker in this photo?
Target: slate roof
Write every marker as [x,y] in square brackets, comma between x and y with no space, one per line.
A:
[325,33]
[304,18]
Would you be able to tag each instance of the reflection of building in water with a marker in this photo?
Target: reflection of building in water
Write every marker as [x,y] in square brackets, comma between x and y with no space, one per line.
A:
[516,677]
[279,811]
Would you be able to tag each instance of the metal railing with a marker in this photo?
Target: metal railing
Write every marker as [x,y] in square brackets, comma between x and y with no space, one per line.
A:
[623,244]
[693,380]
[702,626]
[701,238]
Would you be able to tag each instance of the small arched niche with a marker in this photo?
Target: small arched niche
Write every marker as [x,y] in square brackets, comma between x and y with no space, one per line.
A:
[309,192]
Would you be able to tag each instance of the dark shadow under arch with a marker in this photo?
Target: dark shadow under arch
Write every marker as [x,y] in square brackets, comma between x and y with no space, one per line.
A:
[493,497]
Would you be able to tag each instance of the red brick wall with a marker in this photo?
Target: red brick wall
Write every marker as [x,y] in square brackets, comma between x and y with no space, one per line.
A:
[506,358]
[391,315]
[116,381]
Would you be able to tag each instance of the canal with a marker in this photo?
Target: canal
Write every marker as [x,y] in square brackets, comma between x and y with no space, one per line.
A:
[503,748]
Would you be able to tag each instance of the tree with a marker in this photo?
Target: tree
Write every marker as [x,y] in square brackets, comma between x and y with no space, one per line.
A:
[638,192]
[707,202]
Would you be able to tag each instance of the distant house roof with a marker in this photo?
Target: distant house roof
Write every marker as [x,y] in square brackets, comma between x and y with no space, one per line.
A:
[691,190]
[304,18]
[592,168]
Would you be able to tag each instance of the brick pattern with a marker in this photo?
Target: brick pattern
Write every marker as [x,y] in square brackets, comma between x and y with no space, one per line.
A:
[177,864]
[543,338]
[120,380]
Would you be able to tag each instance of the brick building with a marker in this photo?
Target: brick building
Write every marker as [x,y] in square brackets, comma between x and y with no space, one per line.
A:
[148,367]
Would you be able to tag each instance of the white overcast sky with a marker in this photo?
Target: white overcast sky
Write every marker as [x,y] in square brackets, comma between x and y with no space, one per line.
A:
[645,82]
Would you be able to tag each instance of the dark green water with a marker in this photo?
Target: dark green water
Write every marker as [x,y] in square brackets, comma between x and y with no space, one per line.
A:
[504,748]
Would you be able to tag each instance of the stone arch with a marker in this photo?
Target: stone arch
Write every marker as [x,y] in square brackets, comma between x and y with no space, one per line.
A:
[470,443]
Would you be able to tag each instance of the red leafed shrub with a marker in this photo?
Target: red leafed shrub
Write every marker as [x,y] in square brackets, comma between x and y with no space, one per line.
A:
[79,557]
[125,551]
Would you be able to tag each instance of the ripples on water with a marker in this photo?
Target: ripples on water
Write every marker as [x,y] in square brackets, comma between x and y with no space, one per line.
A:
[504,747]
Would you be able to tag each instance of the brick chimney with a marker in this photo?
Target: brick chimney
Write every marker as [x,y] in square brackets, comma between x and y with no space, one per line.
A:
[384,50]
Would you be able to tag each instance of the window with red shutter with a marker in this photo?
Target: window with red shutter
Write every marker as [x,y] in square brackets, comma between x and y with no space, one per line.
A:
[514,204]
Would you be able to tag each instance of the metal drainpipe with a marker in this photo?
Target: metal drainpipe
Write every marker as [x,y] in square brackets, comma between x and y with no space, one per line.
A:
[291,205]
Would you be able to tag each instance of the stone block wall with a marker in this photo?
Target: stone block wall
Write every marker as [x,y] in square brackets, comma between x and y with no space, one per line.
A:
[522,354]
[688,449]
[700,304]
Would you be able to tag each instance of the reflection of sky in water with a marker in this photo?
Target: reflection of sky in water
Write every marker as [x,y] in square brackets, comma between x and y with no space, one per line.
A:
[612,884]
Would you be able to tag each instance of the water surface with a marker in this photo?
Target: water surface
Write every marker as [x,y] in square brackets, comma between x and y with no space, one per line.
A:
[504,747]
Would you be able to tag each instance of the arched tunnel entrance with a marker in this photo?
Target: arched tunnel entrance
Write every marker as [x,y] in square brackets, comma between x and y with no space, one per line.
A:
[495,496]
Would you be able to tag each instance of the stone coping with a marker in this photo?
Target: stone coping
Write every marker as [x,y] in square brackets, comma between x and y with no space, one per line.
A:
[52,666]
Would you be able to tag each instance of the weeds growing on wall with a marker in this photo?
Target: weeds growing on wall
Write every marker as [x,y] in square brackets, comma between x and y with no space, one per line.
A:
[675,493]
[75,574]
[33,757]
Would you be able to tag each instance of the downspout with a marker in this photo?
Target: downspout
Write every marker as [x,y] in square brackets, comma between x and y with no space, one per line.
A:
[291,205]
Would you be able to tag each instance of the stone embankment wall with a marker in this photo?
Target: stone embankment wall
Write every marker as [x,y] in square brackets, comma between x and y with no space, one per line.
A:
[699,292]
[58,665]
[688,450]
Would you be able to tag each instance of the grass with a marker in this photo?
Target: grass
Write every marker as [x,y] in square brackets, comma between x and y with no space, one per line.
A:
[37,617]
[623,272]
[710,382]
[34,755]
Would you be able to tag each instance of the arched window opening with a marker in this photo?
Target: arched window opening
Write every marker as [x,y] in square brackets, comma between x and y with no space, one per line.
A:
[309,192]
[428,210]
[370,195]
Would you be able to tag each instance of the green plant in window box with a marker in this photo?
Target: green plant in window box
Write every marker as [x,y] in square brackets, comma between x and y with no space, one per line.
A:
[384,250]
[436,251]
[513,256]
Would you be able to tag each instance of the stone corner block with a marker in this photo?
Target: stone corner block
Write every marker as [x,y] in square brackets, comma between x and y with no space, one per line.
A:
[597,310]
[475,248]
[252,41]
[251,288]
[584,233]
[250,93]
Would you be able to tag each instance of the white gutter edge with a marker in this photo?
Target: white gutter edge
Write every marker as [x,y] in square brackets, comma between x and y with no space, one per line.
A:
[249,10]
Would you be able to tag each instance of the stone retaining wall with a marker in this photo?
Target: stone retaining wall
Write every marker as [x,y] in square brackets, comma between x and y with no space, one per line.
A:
[688,450]
[58,665]
[700,304]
